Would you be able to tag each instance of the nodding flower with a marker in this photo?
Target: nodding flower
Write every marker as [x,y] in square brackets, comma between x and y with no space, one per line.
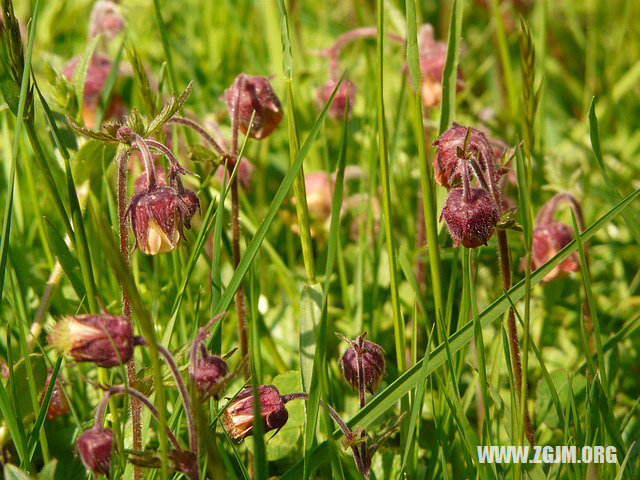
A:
[238,418]
[448,165]
[369,357]
[94,447]
[106,340]
[550,236]
[255,95]
[346,92]
[208,373]
[97,73]
[159,215]
[471,220]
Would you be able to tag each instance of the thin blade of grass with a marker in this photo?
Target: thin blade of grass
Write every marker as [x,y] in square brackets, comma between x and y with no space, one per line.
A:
[450,72]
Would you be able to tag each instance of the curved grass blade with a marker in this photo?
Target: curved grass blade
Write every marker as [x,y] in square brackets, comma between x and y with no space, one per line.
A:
[406,382]
[450,72]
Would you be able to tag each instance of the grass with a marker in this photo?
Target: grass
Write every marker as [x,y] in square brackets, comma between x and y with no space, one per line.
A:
[366,254]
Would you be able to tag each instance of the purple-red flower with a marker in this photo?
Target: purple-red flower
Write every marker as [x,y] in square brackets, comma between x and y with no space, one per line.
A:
[257,96]
[371,356]
[158,216]
[208,373]
[447,164]
[239,417]
[346,91]
[106,340]
[94,447]
[472,220]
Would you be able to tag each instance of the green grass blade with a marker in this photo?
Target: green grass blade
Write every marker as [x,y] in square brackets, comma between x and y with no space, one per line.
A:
[407,381]
[80,72]
[450,72]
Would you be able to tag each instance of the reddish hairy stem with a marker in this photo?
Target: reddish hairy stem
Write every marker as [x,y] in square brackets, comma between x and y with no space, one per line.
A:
[136,407]
[235,233]
[505,268]
[200,131]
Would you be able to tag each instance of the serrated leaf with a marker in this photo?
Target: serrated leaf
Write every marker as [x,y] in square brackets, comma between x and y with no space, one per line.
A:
[87,132]
[169,110]
[137,122]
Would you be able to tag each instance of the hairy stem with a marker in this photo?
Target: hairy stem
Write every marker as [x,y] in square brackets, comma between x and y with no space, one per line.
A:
[235,233]
[136,407]
[505,267]
[200,131]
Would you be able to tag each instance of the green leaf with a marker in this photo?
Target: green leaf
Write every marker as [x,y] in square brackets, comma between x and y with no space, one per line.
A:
[11,472]
[169,110]
[19,381]
[450,72]
[87,132]
[310,311]
[80,72]
[67,259]
[142,79]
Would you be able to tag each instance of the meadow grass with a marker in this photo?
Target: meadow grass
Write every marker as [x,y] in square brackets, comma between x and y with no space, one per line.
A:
[555,82]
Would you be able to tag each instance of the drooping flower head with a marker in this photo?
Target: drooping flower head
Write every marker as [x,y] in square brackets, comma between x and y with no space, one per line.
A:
[346,91]
[238,419]
[256,95]
[208,373]
[94,447]
[447,164]
[369,357]
[159,215]
[106,340]
[471,220]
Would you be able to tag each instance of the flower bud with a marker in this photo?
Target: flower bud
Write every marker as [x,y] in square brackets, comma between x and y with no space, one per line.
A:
[94,447]
[58,404]
[208,373]
[91,338]
[470,221]
[158,217]
[238,417]
[447,165]
[346,91]
[256,95]
[548,239]
[371,356]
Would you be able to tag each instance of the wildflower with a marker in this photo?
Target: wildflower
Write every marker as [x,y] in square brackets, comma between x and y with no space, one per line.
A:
[470,218]
[239,417]
[257,96]
[92,338]
[371,358]
[447,164]
[158,216]
[346,91]
[94,447]
[208,373]
[58,404]
[106,18]
[97,73]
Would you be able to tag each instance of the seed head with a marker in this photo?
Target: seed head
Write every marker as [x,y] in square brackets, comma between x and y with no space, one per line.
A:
[370,356]
[256,95]
[470,221]
[92,338]
[238,417]
[94,447]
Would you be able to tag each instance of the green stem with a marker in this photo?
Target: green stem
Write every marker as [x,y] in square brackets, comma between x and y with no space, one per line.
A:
[503,48]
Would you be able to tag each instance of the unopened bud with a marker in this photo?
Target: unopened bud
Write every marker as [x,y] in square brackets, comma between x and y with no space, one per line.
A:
[472,220]
[371,358]
[106,340]
[208,373]
[239,417]
[257,96]
[94,447]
